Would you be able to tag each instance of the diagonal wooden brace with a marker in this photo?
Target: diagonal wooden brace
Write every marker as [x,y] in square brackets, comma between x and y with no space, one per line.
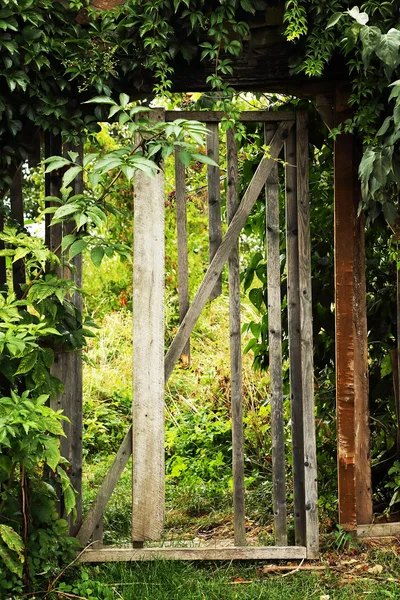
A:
[200,300]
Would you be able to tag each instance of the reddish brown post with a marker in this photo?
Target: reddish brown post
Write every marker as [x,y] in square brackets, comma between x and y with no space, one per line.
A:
[354,470]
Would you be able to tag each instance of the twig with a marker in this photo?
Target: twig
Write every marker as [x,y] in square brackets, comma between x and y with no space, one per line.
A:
[61,573]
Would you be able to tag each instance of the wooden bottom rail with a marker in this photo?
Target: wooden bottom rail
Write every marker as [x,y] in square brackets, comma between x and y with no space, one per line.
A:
[377,530]
[215,553]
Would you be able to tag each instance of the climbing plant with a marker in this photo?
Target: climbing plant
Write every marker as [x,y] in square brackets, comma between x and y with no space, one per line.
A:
[53,55]
[369,39]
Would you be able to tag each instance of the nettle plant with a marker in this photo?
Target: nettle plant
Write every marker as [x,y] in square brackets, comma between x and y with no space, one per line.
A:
[42,320]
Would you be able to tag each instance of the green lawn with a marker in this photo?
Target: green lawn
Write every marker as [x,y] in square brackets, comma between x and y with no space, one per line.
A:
[161,580]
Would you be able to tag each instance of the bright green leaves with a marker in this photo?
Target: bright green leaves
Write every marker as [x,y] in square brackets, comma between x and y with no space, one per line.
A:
[11,549]
[387,48]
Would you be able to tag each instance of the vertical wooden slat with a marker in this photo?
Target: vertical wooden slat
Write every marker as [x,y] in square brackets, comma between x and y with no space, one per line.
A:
[275,347]
[214,200]
[52,184]
[354,469]
[235,350]
[17,212]
[183,264]
[306,334]
[148,357]
[293,307]
[68,365]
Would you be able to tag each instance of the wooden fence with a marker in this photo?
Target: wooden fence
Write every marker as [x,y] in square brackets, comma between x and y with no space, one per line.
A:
[287,136]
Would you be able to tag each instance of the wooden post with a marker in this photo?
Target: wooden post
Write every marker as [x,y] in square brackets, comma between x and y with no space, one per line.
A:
[182,241]
[214,200]
[275,346]
[306,336]
[52,185]
[293,307]
[68,365]
[354,472]
[17,212]
[235,350]
[148,356]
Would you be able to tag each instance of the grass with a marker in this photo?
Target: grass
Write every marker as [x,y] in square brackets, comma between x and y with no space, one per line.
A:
[199,489]
[347,577]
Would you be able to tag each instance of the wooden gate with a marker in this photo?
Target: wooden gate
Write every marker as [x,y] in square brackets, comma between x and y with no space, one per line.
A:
[284,132]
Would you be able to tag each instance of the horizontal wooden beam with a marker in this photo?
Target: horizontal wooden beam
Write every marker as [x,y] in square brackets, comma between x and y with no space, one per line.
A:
[215,553]
[214,116]
[377,530]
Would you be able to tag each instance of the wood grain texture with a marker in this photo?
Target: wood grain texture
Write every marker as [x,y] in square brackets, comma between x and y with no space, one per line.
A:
[182,241]
[148,356]
[306,334]
[17,213]
[235,349]
[214,201]
[224,250]
[214,116]
[354,476]
[52,186]
[107,487]
[293,308]
[275,346]
[217,553]
[378,530]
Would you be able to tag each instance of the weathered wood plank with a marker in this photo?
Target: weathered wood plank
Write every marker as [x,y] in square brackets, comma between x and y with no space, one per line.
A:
[68,368]
[106,489]
[214,116]
[377,530]
[214,201]
[17,213]
[275,346]
[52,186]
[235,349]
[223,252]
[97,536]
[217,553]
[148,356]
[293,307]
[306,334]
[182,241]
[354,475]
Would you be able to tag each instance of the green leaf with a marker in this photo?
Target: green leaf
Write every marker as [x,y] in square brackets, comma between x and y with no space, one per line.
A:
[124,100]
[70,175]
[77,247]
[52,453]
[57,164]
[203,158]
[390,212]
[97,255]
[100,100]
[65,210]
[388,48]
[335,18]
[27,363]
[48,357]
[386,366]
[185,157]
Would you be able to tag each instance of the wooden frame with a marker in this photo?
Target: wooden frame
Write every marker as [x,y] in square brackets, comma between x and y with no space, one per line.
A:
[283,130]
